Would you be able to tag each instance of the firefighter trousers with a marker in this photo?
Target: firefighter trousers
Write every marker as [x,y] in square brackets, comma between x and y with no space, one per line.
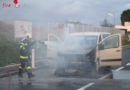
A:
[25,66]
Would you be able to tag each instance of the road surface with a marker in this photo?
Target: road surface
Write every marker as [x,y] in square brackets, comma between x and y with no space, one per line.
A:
[46,80]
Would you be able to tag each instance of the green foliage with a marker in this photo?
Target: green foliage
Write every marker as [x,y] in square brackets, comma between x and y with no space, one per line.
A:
[125,40]
[9,53]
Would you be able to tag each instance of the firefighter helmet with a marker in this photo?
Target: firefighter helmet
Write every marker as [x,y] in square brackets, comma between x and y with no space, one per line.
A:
[28,35]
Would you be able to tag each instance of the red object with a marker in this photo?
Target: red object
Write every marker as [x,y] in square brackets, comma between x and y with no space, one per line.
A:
[9,77]
[15,1]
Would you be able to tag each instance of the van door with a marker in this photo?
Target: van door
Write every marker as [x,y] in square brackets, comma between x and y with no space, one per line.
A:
[110,51]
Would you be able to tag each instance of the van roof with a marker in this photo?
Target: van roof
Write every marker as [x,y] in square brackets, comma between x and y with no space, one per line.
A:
[89,33]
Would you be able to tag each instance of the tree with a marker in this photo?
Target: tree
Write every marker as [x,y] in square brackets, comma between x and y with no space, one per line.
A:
[125,16]
[105,23]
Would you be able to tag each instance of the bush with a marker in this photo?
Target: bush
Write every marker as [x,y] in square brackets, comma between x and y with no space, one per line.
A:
[9,53]
[125,40]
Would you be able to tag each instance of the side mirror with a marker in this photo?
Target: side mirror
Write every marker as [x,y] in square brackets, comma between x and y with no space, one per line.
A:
[101,46]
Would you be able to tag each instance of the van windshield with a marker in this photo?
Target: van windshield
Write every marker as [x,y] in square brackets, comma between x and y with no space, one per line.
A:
[81,41]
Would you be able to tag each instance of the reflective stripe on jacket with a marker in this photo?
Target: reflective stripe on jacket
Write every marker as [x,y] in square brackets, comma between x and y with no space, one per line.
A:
[23,57]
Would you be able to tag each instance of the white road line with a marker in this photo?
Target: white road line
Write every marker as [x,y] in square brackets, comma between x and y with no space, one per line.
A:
[119,68]
[128,64]
[101,78]
[86,86]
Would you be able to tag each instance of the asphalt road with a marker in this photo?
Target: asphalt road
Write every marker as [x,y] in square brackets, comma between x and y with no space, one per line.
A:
[46,80]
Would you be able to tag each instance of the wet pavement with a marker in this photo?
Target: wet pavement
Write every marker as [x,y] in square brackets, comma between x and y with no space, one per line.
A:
[46,80]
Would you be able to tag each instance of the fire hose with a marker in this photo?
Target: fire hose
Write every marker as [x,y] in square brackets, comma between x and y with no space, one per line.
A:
[9,77]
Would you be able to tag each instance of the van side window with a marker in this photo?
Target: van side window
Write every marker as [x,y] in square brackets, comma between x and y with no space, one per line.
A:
[105,35]
[112,42]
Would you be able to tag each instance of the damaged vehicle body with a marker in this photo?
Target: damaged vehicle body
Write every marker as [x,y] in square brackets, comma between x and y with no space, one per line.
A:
[81,52]
[77,51]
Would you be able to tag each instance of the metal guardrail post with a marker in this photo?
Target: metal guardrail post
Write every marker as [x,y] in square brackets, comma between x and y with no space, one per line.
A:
[33,58]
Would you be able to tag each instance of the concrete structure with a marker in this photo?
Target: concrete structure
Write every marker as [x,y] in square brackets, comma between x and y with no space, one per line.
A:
[21,28]
[9,32]
[60,29]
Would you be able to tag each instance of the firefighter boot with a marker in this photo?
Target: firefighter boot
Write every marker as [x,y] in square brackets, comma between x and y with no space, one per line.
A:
[30,75]
[20,73]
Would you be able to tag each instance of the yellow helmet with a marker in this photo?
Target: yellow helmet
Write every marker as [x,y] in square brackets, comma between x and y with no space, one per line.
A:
[28,35]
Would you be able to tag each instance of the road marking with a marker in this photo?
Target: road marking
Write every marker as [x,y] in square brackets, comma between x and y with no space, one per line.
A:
[128,64]
[119,68]
[101,78]
[86,86]
[90,84]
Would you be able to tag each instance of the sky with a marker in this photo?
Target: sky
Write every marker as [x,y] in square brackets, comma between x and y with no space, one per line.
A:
[91,12]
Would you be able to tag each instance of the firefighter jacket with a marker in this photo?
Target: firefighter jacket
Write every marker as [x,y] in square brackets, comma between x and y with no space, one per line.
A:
[25,49]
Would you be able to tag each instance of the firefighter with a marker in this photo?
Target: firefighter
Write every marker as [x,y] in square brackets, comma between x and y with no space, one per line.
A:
[25,56]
